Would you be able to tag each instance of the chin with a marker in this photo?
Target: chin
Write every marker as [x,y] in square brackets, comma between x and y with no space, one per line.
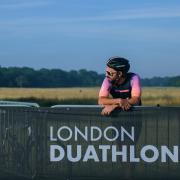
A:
[109,79]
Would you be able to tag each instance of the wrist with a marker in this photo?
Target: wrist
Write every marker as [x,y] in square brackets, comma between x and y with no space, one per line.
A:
[119,102]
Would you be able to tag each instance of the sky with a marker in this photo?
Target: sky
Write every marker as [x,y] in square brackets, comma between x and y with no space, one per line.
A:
[84,34]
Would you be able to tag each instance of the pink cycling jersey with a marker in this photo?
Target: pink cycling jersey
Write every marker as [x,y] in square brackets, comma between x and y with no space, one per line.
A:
[135,87]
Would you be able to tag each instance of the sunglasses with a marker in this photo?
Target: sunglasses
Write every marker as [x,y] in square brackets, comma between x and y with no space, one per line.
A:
[110,73]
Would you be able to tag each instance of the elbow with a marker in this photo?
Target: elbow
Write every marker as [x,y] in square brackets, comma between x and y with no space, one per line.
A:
[100,101]
[136,101]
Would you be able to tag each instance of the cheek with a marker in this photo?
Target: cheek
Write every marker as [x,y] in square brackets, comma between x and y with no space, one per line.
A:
[114,77]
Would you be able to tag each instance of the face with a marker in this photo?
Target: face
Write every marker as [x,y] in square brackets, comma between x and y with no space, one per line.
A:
[111,74]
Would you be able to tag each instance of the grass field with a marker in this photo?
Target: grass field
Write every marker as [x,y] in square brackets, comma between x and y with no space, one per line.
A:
[166,96]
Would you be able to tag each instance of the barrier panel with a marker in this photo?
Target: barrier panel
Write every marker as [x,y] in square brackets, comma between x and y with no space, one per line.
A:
[77,142]
[18,139]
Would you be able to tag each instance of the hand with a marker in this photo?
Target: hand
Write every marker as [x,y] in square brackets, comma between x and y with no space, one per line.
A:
[125,105]
[108,109]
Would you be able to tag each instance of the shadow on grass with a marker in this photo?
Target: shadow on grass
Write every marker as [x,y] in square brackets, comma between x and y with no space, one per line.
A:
[50,102]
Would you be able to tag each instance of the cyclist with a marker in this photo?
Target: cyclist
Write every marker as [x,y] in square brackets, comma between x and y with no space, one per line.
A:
[120,88]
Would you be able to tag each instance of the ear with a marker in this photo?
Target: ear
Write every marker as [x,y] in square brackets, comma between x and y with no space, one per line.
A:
[120,74]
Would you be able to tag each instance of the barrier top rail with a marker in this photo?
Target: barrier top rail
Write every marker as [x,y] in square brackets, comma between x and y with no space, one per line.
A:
[92,106]
[76,106]
[18,104]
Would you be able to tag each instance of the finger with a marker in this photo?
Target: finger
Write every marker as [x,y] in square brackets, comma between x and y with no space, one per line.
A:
[103,112]
[128,106]
[123,108]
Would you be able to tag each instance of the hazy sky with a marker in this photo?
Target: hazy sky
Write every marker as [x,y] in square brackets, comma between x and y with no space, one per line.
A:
[77,34]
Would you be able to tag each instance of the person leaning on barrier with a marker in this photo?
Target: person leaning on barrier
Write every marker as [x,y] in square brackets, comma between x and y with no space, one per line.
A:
[120,88]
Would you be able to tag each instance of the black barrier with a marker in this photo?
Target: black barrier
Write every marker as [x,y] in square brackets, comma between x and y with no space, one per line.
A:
[76,142]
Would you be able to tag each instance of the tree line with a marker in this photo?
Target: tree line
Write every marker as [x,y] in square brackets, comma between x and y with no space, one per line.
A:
[28,77]
[45,78]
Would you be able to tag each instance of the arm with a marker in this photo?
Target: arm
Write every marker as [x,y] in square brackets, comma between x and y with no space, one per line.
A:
[110,103]
[134,100]
[105,100]
[135,94]
[104,94]
[127,103]
[135,91]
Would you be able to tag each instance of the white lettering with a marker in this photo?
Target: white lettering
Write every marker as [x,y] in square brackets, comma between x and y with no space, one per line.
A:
[93,128]
[116,133]
[104,149]
[123,132]
[173,156]
[77,131]
[53,150]
[132,155]
[116,153]
[90,154]
[51,134]
[78,153]
[64,128]
[154,151]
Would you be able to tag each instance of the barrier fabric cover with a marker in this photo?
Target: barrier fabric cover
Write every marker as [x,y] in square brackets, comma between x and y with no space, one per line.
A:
[79,143]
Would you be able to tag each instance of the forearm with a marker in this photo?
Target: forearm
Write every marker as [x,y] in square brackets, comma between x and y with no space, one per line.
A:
[134,100]
[108,101]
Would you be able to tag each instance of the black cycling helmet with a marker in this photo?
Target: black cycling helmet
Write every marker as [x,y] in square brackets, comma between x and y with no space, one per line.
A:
[118,64]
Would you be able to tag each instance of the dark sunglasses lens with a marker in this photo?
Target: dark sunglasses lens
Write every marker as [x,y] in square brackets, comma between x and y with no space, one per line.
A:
[108,73]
